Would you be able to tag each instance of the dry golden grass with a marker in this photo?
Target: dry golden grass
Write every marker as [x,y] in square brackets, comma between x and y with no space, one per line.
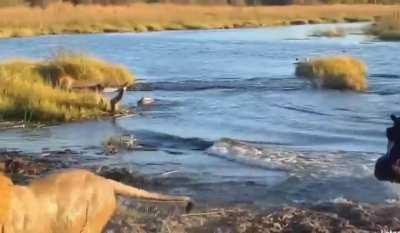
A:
[27,91]
[86,70]
[64,18]
[343,73]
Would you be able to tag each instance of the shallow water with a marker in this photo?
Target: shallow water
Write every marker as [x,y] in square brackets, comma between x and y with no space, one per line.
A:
[314,145]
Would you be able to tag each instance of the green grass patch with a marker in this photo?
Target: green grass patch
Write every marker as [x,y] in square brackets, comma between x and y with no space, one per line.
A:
[343,73]
[154,27]
[298,22]
[390,35]
[386,28]
[173,27]
[27,90]
[356,19]
[196,26]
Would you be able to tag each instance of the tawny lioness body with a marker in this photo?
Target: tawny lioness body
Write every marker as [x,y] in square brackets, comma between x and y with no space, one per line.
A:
[74,201]
[66,82]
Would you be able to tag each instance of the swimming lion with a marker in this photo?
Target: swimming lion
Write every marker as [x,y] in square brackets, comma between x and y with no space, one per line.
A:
[73,201]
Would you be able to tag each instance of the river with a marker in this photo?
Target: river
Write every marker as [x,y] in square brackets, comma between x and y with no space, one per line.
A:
[231,119]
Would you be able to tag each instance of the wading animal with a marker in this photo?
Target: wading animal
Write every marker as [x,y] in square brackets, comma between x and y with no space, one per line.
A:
[146,101]
[114,101]
[387,167]
[74,201]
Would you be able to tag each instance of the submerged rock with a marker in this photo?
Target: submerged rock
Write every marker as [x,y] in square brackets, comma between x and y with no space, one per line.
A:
[117,143]
[322,218]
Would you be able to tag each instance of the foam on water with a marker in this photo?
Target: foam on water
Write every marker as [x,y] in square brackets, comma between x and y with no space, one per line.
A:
[296,163]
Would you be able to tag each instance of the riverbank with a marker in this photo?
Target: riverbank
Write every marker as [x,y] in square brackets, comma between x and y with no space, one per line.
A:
[25,21]
[136,216]
[63,89]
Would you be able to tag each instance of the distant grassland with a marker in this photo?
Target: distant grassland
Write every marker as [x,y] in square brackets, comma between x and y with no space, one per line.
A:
[24,21]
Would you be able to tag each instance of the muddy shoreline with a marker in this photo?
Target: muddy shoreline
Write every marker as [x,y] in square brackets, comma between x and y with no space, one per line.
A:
[137,216]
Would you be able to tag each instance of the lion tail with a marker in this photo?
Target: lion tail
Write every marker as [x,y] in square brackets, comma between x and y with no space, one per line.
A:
[129,191]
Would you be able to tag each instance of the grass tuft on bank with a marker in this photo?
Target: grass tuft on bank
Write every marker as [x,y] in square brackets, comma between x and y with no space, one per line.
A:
[387,28]
[85,70]
[342,73]
[28,91]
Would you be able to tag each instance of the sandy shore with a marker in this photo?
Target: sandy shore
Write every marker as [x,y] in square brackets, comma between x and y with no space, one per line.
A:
[136,216]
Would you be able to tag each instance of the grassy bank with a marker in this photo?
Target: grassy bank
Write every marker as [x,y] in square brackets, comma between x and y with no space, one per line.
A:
[29,91]
[342,73]
[387,28]
[65,18]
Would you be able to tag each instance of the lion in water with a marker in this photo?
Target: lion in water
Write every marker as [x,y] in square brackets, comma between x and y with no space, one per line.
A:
[67,202]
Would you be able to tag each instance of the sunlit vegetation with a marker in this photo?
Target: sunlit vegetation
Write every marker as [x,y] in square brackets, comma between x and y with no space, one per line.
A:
[24,21]
[387,28]
[343,73]
[85,70]
[29,91]
[334,32]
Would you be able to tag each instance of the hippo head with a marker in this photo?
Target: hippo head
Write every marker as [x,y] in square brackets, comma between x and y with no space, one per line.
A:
[383,166]
[393,133]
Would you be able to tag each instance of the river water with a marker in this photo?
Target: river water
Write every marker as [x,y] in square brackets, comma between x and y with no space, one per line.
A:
[231,119]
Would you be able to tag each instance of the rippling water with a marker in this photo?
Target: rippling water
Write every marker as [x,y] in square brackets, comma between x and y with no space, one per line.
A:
[291,143]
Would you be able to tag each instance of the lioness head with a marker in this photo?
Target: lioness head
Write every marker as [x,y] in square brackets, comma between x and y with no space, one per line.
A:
[5,196]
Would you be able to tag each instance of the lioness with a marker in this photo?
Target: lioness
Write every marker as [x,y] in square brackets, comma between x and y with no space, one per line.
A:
[74,201]
[68,83]
[65,82]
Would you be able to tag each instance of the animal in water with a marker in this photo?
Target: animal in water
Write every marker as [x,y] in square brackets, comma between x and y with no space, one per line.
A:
[302,60]
[72,201]
[66,82]
[387,167]
[146,101]
[114,101]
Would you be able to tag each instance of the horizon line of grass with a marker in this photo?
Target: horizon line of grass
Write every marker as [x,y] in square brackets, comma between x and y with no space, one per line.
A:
[29,90]
[23,21]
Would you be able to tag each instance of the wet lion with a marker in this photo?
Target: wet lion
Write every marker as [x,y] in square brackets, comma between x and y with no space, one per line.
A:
[68,202]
